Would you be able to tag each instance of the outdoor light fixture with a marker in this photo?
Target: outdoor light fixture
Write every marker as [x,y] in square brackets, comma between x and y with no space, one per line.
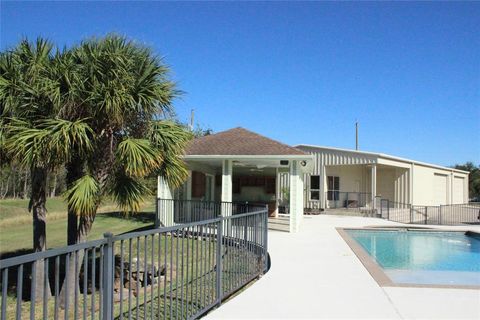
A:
[303,163]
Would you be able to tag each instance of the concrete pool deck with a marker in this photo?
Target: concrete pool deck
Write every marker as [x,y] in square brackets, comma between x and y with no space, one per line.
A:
[315,274]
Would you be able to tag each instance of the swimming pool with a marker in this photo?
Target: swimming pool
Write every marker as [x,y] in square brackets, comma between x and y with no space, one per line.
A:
[423,257]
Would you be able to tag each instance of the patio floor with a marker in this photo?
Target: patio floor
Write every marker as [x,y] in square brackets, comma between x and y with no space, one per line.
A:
[315,274]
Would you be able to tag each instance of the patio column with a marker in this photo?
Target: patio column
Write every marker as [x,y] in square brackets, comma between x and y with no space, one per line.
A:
[226,186]
[296,196]
[323,201]
[164,204]
[374,185]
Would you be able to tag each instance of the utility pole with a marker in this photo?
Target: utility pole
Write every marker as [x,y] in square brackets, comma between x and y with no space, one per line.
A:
[192,113]
[356,135]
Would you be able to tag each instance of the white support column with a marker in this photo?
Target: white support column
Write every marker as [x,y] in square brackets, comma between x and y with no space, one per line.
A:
[374,185]
[164,214]
[296,196]
[323,178]
[277,192]
[410,183]
[227,171]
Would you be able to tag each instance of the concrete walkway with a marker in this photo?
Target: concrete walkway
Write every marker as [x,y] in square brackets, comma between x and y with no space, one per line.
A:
[315,274]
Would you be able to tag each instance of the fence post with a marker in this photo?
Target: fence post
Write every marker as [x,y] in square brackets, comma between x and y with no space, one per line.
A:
[440,215]
[218,287]
[157,214]
[426,214]
[411,213]
[388,209]
[108,275]
[265,235]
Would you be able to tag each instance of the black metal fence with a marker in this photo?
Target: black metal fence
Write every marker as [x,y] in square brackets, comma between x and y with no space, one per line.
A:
[176,272]
[171,212]
[348,200]
[453,214]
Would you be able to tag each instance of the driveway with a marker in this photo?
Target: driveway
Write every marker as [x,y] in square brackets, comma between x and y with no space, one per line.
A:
[315,274]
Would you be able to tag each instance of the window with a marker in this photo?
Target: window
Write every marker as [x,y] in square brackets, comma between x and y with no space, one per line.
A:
[333,185]
[314,187]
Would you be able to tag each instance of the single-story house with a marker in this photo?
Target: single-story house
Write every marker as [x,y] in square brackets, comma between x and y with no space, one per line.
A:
[239,165]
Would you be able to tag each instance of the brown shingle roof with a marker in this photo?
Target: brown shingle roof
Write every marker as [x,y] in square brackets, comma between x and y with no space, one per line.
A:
[239,141]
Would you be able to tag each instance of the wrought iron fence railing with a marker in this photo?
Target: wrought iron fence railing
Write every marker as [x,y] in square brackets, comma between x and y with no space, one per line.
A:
[178,272]
[348,200]
[453,214]
[171,212]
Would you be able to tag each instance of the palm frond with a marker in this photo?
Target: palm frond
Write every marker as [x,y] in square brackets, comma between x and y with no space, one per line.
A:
[128,192]
[83,196]
[173,170]
[27,144]
[138,156]
[65,137]
[47,142]
[171,139]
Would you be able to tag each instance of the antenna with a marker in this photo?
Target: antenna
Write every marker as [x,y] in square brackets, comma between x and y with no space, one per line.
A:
[192,114]
[356,135]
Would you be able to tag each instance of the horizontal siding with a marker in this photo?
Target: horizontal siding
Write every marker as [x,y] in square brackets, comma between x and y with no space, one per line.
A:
[328,158]
[336,158]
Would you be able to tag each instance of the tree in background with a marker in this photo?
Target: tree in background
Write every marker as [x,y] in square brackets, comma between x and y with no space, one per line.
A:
[473,179]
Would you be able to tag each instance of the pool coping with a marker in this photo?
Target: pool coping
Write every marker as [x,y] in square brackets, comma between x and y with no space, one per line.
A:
[376,271]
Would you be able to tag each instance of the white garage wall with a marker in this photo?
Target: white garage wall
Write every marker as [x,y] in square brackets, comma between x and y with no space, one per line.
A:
[432,186]
[458,190]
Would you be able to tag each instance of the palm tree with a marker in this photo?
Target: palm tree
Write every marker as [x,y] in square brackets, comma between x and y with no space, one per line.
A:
[31,135]
[124,94]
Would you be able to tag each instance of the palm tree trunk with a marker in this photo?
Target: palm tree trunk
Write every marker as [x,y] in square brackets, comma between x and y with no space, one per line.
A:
[78,229]
[39,212]
[100,173]
[72,278]
[74,172]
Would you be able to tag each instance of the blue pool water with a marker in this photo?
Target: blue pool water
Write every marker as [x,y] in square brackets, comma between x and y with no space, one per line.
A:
[424,257]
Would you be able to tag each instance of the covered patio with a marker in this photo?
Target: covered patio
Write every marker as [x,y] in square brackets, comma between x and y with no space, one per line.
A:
[240,166]
[362,185]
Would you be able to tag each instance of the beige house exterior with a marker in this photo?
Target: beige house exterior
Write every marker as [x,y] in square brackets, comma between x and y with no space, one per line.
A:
[241,166]
[238,166]
[377,175]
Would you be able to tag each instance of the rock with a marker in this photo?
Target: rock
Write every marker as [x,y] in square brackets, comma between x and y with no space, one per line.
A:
[133,283]
[116,285]
[116,295]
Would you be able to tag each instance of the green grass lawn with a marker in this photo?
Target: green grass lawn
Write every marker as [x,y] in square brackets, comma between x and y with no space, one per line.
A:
[190,280]
[189,283]
[16,223]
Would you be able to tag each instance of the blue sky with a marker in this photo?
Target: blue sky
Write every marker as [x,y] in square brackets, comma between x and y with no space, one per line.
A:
[302,72]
